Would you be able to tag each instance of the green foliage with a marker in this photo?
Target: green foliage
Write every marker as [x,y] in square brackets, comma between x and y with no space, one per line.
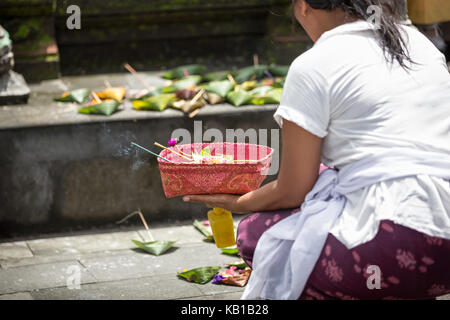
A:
[156,103]
[200,275]
[154,247]
[105,108]
[79,96]
[186,83]
[220,87]
[239,98]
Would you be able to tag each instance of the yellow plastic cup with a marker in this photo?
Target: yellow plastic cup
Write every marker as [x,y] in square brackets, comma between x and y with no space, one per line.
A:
[222,226]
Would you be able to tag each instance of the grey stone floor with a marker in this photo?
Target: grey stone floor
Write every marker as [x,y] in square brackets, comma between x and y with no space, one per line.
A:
[110,267]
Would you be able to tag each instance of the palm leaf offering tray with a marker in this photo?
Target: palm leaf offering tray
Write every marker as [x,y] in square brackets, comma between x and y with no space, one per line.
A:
[189,88]
[213,168]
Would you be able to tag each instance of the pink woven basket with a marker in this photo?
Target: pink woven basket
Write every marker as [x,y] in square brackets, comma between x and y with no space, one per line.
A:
[184,178]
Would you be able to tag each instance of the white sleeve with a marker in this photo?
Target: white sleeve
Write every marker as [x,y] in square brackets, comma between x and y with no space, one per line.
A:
[305,99]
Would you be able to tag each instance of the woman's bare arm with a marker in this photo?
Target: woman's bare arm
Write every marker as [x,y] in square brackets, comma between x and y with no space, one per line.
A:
[299,170]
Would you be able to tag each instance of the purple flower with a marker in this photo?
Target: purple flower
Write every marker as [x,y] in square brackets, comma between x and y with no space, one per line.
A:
[218,278]
[173,142]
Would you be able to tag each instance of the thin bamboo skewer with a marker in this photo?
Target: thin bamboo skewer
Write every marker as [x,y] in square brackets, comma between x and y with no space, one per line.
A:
[96,97]
[107,84]
[194,113]
[255,60]
[230,77]
[178,154]
[197,96]
[145,225]
[151,152]
[182,151]
[131,70]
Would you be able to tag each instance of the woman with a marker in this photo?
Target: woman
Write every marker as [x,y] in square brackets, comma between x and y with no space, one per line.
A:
[372,100]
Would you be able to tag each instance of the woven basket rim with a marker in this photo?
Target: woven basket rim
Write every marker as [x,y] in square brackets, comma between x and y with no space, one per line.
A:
[162,162]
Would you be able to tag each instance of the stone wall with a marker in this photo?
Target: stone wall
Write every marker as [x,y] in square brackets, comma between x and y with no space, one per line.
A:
[148,34]
[77,176]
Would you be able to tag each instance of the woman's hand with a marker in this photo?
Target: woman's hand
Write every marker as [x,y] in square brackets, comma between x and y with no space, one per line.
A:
[225,201]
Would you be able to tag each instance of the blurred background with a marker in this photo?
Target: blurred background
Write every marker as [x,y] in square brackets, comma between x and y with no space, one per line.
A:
[160,34]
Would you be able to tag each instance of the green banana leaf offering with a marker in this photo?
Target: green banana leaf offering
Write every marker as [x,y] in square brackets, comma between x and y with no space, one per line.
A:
[105,108]
[232,251]
[156,103]
[79,96]
[251,73]
[239,98]
[273,96]
[180,72]
[278,71]
[200,275]
[154,247]
[261,90]
[248,85]
[186,83]
[215,76]
[240,265]
[220,87]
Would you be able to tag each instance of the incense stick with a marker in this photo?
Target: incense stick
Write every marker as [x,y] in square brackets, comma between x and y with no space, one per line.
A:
[96,97]
[143,221]
[230,77]
[194,113]
[145,225]
[157,155]
[178,154]
[107,84]
[131,70]
[255,60]
[180,151]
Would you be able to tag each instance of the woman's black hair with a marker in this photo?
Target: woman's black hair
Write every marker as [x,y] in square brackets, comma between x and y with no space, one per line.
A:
[389,34]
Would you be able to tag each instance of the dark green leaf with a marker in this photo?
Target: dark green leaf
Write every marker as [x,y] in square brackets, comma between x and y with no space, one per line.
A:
[278,71]
[239,265]
[154,247]
[232,251]
[257,72]
[200,275]
[215,76]
[220,87]
[239,98]
[106,108]
[178,73]
[80,96]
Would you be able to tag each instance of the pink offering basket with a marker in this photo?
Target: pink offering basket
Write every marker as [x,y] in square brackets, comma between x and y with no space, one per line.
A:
[245,174]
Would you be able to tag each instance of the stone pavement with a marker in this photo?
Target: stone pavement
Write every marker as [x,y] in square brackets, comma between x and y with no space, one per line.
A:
[111,267]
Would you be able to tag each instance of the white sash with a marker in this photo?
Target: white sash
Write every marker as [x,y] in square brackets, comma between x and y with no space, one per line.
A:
[287,252]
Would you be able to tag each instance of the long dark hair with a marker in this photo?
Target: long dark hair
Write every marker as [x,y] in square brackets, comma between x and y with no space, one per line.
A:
[389,34]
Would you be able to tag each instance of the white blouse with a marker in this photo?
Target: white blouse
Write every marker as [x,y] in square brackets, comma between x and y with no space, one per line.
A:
[343,91]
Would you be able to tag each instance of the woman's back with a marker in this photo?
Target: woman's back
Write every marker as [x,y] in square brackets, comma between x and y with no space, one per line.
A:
[345,92]
[363,105]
